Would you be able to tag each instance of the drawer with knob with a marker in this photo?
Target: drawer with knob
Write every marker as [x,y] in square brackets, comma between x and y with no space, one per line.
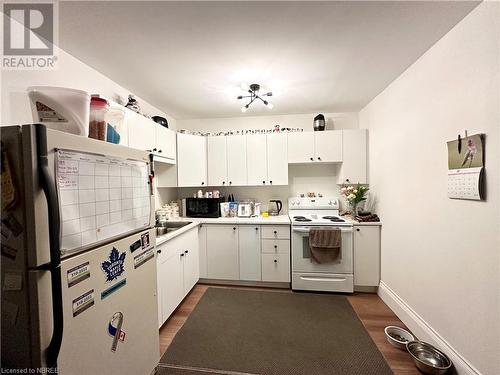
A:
[276,246]
[276,267]
[276,232]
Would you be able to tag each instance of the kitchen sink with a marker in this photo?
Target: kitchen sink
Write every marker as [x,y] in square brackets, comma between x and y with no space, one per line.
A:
[170,226]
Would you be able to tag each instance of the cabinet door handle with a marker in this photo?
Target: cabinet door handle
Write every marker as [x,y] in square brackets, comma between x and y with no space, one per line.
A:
[275,246]
[275,261]
[203,183]
[154,149]
[182,254]
[234,228]
[357,229]
[346,180]
[230,182]
[271,182]
[223,182]
[312,159]
[158,251]
[275,232]
[256,228]
[319,158]
[186,251]
[264,182]
[159,151]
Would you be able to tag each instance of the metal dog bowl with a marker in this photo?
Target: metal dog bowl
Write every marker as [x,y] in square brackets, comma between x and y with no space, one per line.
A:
[398,336]
[428,359]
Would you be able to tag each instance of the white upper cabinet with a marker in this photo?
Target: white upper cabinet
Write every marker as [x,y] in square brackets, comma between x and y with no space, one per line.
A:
[191,160]
[277,163]
[145,134]
[257,159]
[318,147]
[353,169]
[141,131]
[236,150]
[328,146]
[217,161]
[300,147]
[166,143]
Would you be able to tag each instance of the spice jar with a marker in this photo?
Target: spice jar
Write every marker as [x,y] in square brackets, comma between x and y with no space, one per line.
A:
[97,123]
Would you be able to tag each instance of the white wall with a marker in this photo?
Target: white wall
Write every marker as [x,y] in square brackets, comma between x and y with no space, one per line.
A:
[302,178]
[440,257]
[348,120]
[70,72]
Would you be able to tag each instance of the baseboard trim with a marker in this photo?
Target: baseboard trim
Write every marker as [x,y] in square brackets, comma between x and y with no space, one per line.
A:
[423,330]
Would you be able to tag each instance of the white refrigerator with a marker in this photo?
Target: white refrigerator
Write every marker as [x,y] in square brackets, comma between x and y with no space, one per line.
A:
[77,255]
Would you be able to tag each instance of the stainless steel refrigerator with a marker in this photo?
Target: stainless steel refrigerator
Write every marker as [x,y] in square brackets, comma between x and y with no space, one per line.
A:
[77,255]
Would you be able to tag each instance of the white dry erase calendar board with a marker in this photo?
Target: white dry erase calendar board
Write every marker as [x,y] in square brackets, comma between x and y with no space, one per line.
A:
[100,198]
[466,168]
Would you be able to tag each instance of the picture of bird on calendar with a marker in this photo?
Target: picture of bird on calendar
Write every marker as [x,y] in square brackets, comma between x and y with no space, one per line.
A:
[466,168]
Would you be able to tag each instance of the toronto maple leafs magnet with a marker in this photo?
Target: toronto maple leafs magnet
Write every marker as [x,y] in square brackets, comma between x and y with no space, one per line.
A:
[114,266]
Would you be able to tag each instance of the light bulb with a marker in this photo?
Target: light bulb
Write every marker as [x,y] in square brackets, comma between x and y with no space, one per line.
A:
[244,108]
[270,105]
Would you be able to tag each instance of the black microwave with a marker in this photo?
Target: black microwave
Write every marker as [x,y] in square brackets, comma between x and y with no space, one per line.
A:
[202,207]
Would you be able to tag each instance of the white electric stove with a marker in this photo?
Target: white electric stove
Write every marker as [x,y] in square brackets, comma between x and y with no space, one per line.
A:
[337,276]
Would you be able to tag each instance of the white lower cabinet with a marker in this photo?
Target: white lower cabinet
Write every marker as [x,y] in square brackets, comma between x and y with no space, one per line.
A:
[366,255]
[249,246]
[276,246]
[202,239]
[276,267]
[276,253]
[178,271]
[170,285]
[222,252]
[246,252]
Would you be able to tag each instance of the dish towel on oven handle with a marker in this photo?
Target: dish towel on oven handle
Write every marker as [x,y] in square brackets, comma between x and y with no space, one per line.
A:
[325,244]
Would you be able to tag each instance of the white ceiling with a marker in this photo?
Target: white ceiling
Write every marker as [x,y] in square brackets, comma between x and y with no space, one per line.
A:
[189,58]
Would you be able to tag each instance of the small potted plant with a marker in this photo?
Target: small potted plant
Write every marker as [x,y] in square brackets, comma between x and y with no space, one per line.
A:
[354,195]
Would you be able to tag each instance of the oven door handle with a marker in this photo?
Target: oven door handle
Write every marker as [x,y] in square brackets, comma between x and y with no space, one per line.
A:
[306,230]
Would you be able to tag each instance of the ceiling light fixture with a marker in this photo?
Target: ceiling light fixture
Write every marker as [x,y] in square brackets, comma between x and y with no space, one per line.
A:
[254,94]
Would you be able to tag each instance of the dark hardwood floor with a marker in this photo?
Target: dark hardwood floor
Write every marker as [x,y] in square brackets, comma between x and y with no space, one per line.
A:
[371,310]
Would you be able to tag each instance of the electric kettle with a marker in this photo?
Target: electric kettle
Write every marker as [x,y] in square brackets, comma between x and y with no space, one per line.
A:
[279,206]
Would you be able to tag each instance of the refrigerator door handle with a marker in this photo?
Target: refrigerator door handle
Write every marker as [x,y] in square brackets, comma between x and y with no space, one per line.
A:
[49,189]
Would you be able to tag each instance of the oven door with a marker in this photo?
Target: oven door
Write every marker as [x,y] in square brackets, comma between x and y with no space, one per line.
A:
[301,253]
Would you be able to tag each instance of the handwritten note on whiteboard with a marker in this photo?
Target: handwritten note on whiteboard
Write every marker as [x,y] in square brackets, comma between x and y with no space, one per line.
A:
[100,198]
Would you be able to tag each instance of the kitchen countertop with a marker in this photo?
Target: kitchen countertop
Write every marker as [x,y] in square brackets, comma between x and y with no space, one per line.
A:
[364,223]
[260,220]
[164,238]
[271,220]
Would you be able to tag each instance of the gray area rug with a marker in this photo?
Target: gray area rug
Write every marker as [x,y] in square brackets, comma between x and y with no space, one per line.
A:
[254,332]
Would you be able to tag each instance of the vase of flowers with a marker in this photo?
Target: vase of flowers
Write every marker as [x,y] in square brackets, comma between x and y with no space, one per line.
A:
[354,196]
